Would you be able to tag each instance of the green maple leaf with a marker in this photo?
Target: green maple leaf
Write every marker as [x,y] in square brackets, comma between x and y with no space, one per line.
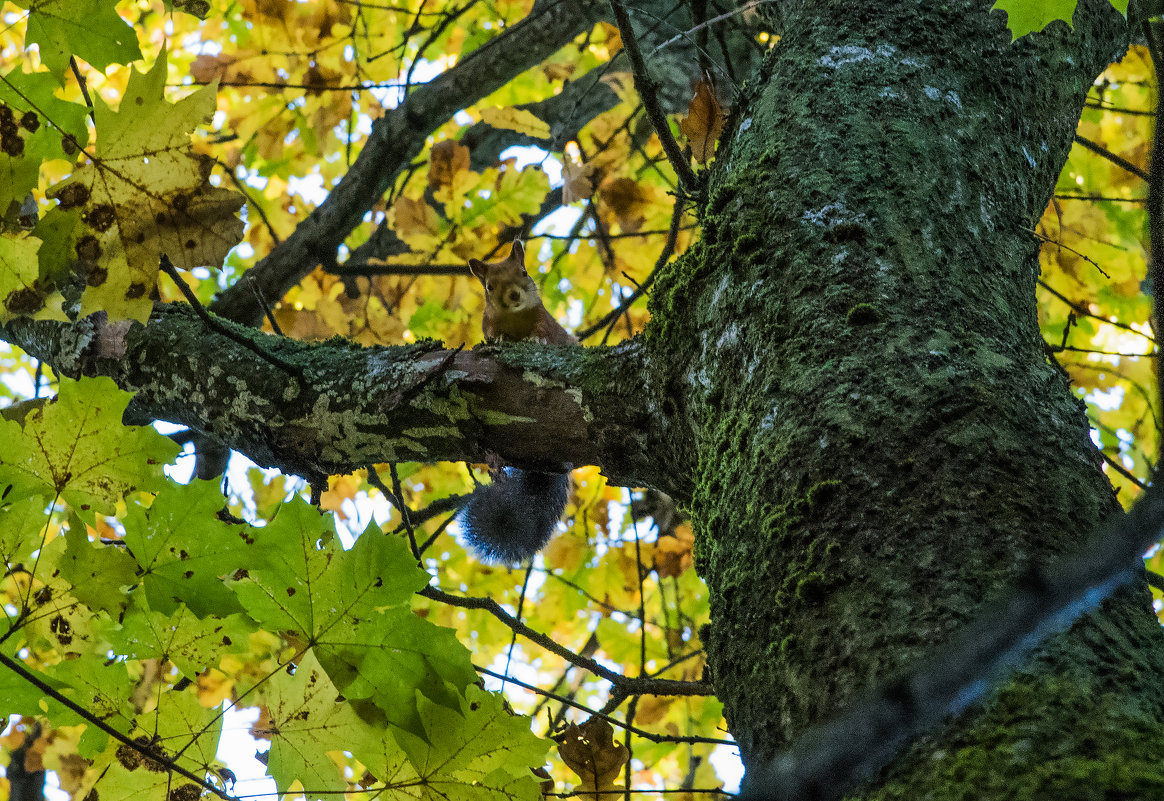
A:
[179,730]
[145,194]
[191,643]
[19,269]
[477,752]
[308,718]
[22,527]
[88,29]
[97,572]
[43,123]
[58,231]
[100,687]
[77,447]
[56,619]
[351,608]
[1028,16]
[184,550]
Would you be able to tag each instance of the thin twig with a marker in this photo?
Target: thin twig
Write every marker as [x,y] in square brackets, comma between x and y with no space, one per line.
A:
[1059,244]
[81,82]
[395,496]
[1123,471]
[439,530]
[646,735]
[632,686]
[668,249]
[262,299]
[89,717]
[1083,311]
[1119,161]
[647,90]
[291,369]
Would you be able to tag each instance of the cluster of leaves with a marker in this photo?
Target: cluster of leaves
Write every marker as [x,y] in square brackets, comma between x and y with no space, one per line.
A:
[1092,305]
[199,606]
[1095,304]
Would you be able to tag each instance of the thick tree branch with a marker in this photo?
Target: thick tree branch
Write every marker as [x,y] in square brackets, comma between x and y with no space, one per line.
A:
[524,404]
[397,138]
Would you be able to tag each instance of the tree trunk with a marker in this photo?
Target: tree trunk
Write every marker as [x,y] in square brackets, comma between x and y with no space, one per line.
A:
[880,442]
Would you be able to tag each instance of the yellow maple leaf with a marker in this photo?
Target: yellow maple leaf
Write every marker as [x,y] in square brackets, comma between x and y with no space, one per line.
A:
[144,194]
[516,119]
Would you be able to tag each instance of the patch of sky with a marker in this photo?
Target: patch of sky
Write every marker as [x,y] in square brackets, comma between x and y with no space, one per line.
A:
[1107,400]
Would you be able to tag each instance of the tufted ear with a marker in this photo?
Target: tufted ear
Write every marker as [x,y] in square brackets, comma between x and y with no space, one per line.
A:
[478,269]
[517,252]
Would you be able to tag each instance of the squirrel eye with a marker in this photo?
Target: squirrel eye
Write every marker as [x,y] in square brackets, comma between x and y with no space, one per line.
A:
[488,286]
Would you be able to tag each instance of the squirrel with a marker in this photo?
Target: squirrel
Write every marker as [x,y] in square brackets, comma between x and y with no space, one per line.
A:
[512,519]
[513,307]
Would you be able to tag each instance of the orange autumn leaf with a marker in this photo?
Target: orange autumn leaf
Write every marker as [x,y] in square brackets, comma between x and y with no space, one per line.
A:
[448,158]
[627,200]
[675,555]
[704,121]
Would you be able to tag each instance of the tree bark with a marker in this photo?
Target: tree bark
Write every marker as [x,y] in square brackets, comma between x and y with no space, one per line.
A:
[880,443]
[319,409]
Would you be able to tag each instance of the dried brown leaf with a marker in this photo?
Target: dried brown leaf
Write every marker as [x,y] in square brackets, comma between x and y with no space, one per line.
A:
[704,121]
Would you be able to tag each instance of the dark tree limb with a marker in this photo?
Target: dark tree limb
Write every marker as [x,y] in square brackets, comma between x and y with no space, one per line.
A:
[647,93]
[530,405]
[827,761]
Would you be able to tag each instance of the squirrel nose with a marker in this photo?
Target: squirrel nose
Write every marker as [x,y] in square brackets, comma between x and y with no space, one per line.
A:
[514,296]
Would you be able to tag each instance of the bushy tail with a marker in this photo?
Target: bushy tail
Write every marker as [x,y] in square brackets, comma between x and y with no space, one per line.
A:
[512,519]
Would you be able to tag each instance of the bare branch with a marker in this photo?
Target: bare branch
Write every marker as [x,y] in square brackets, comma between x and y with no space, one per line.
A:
[626,684]
[647,93]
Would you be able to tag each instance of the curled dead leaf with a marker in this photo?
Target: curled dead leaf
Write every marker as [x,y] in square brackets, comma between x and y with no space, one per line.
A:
[590,751]
[704,121]
[576,181]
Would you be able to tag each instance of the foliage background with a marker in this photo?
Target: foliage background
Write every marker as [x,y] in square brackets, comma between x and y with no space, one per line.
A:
[112,590]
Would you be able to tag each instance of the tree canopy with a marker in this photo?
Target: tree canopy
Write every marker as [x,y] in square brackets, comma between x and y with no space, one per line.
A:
[250,220]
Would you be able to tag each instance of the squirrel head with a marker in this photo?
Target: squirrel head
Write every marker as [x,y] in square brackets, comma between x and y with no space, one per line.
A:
[508,287]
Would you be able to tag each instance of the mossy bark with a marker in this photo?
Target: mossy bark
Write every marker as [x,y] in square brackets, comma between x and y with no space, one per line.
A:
[880,442]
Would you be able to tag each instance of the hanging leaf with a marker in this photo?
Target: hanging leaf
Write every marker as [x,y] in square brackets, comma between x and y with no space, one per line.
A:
[704,121]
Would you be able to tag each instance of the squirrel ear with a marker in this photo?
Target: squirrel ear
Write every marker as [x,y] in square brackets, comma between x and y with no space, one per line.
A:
[477,269]
[517,252]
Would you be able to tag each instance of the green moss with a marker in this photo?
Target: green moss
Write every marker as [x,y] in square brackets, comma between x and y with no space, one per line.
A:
[821,493]
[863,314]
[812,589]
[1042,737]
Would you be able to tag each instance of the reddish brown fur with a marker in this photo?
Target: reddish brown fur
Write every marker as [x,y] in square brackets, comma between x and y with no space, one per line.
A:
[513,308]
